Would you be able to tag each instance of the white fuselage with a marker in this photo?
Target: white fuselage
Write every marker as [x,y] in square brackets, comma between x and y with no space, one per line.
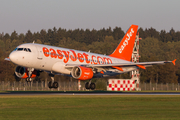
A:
[50,58]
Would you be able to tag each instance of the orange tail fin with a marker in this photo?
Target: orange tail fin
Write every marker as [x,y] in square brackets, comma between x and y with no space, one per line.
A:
[125,47]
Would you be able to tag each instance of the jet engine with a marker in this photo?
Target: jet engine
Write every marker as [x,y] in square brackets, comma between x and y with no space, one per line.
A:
[23,73]
[82,73]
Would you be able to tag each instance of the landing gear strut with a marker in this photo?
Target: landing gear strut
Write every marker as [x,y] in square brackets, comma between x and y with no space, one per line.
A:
[90,85]
[30,70]
[52,84]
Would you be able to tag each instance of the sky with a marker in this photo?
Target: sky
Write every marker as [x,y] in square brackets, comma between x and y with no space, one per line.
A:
[35,15]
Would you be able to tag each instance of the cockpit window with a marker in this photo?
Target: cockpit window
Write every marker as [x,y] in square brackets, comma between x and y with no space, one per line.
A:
[29,50]
[19,49]
[15,49]
[23,49]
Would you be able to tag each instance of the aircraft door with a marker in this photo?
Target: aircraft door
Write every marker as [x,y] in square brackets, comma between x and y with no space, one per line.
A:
[40,63]
[40,53]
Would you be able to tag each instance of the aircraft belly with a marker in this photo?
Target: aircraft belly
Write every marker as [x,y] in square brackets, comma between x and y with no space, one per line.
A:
[59,67]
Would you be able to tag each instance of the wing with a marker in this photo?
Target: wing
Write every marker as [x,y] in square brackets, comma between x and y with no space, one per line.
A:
[119,65]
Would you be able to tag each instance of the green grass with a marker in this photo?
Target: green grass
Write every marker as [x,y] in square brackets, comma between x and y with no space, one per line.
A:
[72,107]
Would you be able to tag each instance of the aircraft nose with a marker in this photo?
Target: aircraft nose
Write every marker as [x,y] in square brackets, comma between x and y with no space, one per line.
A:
[13,57]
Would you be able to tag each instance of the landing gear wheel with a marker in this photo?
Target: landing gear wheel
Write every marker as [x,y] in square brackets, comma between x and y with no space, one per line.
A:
[87,86]
[28,79]
[50,85]
[92,86]
[55,85]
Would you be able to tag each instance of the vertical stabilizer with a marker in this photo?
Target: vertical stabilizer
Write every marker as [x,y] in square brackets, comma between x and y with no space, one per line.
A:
[125,47]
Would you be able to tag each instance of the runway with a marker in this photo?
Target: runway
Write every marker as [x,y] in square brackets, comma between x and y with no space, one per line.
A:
[84,93]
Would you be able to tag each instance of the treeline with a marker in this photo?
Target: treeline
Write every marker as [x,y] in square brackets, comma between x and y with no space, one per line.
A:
[154,46]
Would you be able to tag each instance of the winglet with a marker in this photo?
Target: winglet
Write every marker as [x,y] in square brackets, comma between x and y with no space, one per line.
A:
[174,61]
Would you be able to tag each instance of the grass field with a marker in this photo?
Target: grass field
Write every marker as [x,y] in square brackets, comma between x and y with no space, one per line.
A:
[72,107]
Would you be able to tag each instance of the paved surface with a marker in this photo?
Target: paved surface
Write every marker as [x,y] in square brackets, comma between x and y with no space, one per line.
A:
[84,93]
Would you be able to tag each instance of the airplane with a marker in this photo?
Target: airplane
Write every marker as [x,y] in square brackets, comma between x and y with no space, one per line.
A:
[32,57]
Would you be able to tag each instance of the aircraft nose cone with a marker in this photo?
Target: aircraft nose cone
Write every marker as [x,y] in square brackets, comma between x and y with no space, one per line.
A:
[13,57]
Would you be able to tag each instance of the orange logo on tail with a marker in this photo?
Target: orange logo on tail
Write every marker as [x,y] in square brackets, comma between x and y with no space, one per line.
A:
[126,41]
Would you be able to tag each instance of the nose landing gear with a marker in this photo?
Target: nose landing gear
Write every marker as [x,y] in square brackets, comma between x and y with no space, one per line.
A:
[30,71]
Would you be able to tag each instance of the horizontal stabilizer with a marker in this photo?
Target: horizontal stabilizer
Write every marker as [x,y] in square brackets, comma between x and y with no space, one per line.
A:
[7,59]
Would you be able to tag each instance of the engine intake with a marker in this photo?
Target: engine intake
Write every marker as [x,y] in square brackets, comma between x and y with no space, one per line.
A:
[22,72]
[82,73]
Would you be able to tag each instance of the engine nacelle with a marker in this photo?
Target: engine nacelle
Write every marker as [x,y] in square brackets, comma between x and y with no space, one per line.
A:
[82,73]
[22,72]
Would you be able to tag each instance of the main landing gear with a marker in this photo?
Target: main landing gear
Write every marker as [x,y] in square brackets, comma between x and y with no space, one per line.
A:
[90,85]
[52,84]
